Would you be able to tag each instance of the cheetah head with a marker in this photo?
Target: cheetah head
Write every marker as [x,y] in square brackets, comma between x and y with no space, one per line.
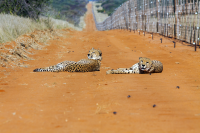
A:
[145,63]
[95,54]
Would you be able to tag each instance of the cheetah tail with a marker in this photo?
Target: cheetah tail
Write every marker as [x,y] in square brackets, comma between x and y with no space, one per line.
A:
[41,70]
[37,70]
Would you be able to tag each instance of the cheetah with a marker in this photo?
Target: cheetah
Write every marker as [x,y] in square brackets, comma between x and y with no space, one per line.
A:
[145,65]
[93,63]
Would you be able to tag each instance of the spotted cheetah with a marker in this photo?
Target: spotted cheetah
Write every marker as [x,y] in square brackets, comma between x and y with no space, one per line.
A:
[93,63]
[145,65]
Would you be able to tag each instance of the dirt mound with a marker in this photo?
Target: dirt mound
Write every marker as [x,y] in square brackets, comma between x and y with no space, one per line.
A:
[15,52]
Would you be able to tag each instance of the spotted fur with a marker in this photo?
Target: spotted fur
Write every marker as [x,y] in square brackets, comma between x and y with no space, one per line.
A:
[93,63]
[145,65]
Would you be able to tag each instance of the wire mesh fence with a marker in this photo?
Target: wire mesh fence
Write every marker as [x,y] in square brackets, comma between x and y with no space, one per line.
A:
[172,18]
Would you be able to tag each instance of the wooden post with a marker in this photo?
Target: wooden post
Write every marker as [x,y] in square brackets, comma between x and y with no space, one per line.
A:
[174,44]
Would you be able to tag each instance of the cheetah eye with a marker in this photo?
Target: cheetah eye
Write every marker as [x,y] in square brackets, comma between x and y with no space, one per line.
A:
[147,62]
[100,54]
[88,54]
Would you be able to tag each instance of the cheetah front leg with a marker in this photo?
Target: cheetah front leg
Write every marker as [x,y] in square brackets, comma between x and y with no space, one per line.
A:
[151,70]
[133,69]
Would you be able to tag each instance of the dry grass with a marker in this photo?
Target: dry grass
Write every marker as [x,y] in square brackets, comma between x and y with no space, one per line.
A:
[18,36]
[12,27]
[14,53]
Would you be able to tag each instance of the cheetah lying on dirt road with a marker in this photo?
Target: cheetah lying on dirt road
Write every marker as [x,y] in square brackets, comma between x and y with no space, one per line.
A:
[93,63]
[145,65]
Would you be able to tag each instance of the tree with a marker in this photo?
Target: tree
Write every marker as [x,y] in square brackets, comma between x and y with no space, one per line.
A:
[71,9]
[25,8]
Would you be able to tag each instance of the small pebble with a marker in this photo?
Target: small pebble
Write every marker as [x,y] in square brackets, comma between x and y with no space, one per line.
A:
[128,96]
[149,73]
[154,106]
[114,113]
[177,87]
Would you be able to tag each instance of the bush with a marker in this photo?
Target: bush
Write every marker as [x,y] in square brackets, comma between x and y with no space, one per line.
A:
[72,10]
[25,8]
[101,11]
[111,5]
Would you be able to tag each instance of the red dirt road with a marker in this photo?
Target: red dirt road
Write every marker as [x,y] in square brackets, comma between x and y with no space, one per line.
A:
[84,102]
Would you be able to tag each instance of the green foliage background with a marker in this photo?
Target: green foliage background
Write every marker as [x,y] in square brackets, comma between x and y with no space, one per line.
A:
[25,8]
[71,10]
[110,5]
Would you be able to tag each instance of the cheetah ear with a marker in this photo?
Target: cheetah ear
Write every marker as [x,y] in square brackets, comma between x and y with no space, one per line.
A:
[92,48]
[140,58]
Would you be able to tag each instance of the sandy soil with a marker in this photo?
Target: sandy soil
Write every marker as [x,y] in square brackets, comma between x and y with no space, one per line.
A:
[85,102]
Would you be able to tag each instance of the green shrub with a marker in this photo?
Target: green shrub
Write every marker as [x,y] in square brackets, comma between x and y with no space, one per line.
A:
[71,10]
[110,5]
[25,8]
[101,11]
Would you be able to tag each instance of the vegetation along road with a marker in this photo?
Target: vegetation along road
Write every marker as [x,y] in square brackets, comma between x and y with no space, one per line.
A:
[96,102]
